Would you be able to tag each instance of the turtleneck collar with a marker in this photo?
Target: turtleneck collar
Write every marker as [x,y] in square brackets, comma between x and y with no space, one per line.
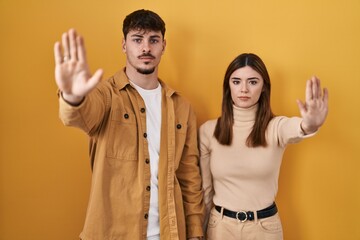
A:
[244,114]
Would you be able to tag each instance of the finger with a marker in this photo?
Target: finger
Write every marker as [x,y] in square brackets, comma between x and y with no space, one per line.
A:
[65,45]
[72,44]
[81,49]
[302,106]
[319,88]
[308,91]
[326,97]
[313,88]
[318,84]
[57,53]
[95,79]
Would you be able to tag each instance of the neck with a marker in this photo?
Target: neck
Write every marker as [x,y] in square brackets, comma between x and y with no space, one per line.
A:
[145,81]
[244,114]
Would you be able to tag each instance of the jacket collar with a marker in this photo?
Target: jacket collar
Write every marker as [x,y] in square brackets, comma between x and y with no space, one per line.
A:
[121,81]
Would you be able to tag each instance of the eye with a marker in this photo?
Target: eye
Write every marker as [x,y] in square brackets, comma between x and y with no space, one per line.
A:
[153,41]
[236,82]
[137,40]
[252,82]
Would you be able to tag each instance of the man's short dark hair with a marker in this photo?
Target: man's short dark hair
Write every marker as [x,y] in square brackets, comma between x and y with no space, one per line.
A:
[145,20]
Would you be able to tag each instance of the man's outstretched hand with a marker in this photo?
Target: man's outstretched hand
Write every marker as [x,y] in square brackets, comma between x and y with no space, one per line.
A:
[72,74]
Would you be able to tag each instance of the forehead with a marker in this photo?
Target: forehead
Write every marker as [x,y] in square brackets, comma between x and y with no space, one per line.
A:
[245,72]
[144,33]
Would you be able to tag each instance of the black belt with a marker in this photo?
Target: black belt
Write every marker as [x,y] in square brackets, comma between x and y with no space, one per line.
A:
[243,216]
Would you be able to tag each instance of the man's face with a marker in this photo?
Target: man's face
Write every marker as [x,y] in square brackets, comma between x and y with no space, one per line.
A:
[143,50]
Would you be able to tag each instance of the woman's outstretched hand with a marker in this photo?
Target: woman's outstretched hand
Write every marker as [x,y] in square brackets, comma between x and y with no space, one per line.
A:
[315,108]
[72,74]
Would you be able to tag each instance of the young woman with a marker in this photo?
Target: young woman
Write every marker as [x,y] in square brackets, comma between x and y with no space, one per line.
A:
[241,151]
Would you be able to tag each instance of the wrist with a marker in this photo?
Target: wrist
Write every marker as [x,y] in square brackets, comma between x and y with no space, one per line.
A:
[306,129]
[71,99]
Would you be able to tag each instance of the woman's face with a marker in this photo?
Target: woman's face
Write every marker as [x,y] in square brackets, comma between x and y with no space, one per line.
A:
[246,86]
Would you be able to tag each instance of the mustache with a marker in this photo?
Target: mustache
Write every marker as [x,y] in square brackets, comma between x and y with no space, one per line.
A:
[146,55]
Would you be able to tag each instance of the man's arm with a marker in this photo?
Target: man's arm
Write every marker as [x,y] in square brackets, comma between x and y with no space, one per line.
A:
[78,108]
[189,177]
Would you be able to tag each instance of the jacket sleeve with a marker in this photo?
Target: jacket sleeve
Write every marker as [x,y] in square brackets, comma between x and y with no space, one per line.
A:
[89,115]
[188,174]
[205,151]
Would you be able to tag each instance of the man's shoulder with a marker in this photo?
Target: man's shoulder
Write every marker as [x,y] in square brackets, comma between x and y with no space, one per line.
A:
[113,83]
[118,80]
[180,98]
[176,96]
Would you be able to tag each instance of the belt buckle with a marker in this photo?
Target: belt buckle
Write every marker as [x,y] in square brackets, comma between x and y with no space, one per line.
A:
[242,212]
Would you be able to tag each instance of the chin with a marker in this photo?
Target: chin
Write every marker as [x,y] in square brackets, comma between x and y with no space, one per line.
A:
[145,71]
[243,106]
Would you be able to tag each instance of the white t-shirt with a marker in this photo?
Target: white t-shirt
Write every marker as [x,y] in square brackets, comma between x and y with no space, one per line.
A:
[152,99]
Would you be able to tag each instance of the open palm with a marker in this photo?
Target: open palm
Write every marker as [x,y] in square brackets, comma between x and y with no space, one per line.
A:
[315,109]
[72,74]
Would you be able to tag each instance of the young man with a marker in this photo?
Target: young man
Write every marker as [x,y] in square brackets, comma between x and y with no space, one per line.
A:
[146,181]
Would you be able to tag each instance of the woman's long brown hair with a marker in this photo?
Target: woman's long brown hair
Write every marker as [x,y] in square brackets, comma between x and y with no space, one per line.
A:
[224,127]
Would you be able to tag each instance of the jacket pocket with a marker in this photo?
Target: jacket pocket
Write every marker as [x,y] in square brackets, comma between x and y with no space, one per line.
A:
[122,137]
[181,129]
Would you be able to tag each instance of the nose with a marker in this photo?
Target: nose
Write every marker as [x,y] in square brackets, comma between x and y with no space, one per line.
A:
[146,47]
[243,87]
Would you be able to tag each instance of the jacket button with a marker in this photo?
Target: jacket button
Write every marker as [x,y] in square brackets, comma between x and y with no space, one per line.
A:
[145,135]
[148,188]
[147,161]
[126,116]
[146,216]
[178,126]
[142,110]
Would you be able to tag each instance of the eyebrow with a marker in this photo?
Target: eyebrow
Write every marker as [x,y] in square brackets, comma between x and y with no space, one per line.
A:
[142,36]
[251,78]
[137,35]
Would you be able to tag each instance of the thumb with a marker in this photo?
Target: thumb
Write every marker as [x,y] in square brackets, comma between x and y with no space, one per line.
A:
[95,79]
[302,106]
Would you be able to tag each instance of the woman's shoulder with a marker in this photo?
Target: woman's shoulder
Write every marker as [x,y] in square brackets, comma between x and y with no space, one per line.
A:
[209,123]
[206,132]
[208,126]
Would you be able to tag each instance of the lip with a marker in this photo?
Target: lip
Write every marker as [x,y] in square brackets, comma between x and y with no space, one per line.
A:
[146,57]
[244,98]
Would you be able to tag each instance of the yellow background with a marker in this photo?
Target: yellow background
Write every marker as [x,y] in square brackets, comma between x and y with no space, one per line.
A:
[44,170]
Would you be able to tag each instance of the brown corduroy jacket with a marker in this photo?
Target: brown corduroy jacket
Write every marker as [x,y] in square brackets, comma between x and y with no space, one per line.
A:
[114,117]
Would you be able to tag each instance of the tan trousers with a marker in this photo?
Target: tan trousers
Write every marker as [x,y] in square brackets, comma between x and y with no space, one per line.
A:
[225,228]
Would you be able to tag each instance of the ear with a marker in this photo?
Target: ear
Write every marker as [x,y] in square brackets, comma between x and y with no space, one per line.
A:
[164,46]
[124,45]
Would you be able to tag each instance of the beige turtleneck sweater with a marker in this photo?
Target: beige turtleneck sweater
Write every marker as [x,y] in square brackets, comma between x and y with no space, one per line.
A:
[238,177]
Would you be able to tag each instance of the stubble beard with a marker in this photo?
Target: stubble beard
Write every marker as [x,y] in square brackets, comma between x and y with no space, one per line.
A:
[145,71]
